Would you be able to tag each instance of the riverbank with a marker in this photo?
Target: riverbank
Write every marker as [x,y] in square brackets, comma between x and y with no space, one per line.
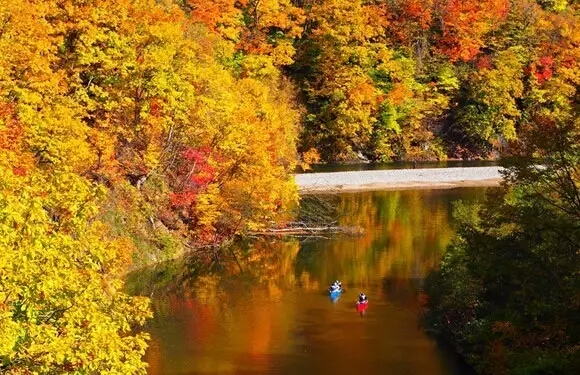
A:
[400,179]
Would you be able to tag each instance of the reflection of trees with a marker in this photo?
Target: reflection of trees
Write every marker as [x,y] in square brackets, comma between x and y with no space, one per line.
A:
[405,234]
[238,301]
[402,292]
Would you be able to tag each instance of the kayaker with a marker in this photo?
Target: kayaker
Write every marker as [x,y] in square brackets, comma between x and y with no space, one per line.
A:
[336,286]
[362,298]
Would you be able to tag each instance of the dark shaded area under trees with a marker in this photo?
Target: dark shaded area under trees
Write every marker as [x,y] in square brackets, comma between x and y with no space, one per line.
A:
[507,294]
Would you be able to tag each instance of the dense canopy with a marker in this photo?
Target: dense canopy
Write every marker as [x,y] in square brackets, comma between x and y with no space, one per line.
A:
[132,130]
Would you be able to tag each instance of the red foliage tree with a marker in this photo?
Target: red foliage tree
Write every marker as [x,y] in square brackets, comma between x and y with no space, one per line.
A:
[192,174]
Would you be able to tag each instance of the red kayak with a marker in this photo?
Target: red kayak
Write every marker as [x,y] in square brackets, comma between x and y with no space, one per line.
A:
[361,306]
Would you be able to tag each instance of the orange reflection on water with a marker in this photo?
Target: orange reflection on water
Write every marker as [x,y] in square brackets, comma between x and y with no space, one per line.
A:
[267,312]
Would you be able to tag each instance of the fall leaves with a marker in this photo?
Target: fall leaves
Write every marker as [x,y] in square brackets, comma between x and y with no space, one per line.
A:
[117,120]
[62,307]
[405,53]
[158,122]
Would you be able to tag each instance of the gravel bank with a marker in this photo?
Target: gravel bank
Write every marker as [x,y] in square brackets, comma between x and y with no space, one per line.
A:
[431,178]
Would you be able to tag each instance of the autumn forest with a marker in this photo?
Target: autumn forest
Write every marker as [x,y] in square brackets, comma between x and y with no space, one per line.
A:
[132,131]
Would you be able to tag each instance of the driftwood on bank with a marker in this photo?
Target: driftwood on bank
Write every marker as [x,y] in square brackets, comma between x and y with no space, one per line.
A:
[302,229]
[317,216]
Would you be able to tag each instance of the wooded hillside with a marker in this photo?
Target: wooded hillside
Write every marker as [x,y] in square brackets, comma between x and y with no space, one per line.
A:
[131,130]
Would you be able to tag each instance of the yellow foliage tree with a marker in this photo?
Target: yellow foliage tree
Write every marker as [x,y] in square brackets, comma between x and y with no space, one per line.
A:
[97,98]
[61,302]
[245,131]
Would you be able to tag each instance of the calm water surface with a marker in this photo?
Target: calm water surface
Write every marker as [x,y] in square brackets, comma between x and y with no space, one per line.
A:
[265,311]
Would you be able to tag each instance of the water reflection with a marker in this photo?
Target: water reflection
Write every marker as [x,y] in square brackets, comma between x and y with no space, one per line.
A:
[267,311]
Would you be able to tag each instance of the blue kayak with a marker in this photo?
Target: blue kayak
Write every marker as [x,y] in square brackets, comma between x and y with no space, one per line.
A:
[334,294]
[335,291]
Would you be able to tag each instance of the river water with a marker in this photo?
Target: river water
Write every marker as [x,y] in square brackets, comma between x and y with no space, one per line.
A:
[262,309]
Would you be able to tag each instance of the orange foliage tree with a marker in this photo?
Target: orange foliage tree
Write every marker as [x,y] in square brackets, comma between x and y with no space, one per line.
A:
[111,113]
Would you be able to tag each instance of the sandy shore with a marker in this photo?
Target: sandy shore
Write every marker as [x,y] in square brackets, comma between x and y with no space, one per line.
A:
[398,179]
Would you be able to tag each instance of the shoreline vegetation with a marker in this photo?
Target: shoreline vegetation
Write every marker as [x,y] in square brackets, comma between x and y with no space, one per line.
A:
[506,292]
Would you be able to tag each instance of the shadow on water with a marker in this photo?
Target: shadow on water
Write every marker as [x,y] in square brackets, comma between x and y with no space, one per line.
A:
[268,311]
[405,292]
[321,168]
[450,355]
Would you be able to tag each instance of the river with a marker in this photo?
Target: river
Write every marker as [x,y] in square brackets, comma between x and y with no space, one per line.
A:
[262,309]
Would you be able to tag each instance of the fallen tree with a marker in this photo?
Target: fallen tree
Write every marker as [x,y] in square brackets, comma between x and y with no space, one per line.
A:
[317,215]
[302,228]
